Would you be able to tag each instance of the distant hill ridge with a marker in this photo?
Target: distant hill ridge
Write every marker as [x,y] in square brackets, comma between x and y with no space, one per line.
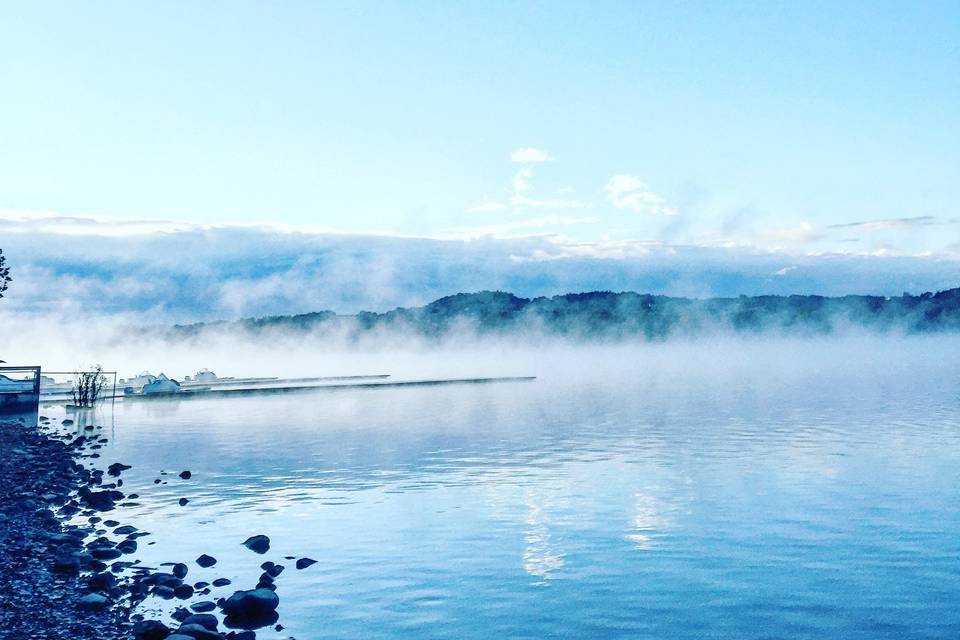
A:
[609,315]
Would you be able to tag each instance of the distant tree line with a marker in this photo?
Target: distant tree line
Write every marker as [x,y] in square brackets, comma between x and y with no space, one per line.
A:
[607,315]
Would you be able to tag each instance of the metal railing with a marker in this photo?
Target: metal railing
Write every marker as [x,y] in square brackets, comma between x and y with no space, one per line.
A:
[19,389]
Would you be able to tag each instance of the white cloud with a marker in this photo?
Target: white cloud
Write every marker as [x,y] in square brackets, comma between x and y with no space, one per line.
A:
[509,229]
[522,202]
[893,223]
[767,239]
[521,180]
[488,207]
[801,234]
[529,154]
[784,271]
[630,192]
[562,248]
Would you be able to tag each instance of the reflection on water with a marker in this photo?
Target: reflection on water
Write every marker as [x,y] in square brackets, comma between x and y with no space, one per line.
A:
[810,504]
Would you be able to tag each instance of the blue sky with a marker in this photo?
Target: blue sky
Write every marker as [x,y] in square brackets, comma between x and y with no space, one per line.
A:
[796,128]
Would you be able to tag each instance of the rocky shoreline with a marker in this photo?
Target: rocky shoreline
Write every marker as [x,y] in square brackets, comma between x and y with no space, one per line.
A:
[67,564]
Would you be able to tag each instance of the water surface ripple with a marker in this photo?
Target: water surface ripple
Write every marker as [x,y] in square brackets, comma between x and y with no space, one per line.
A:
[636,507]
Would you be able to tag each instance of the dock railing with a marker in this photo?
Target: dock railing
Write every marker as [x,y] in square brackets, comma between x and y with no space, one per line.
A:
[19,389]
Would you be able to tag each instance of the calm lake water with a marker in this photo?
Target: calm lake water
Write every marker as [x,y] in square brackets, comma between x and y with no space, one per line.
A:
[698,501]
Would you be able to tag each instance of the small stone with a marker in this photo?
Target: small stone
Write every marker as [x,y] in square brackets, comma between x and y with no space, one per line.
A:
[105,553]
[198,632]
[166,580]
[203,606]
[251,604]
[180,570]
[204,620]
[303,563]
[206,561]
[150,630]
[180,614]
[127,546]
[258,544]
[185,475]
[117,468]
[183,592]
[183,502]
[221,582]
[103,581]
[66,564]
[164,592]
[93,602]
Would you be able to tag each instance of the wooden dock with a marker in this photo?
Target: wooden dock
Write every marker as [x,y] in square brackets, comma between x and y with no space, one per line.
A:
[305,385]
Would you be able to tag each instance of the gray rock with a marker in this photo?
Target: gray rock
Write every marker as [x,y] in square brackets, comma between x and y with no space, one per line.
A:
[127,546]
[101,581]
[206,561]
[105,553]
[163,592]
[183,592]
[117,468]
[251,604]
[198,632]
[150,630]
[202,619]
[66,564]
[93,602]
[257,544]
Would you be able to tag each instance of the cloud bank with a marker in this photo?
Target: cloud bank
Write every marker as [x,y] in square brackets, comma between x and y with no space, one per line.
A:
[182,272]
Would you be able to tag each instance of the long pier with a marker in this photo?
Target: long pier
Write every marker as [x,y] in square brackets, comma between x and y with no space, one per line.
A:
[278,386]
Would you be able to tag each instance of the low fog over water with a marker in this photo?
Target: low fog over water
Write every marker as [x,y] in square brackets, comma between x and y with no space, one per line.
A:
[70,345]
[752,487]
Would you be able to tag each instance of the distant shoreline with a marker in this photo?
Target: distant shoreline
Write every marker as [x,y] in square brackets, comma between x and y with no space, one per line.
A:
[605,315]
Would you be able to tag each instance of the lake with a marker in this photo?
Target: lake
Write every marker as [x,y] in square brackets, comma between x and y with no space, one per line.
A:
[715,494]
